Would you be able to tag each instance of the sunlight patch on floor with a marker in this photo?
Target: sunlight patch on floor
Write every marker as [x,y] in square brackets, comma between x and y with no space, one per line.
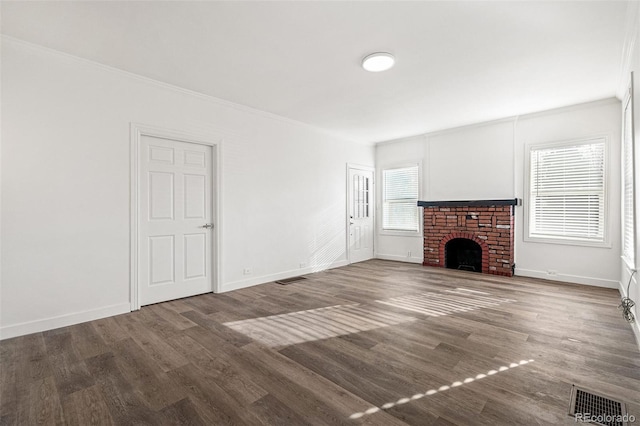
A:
[443,388]
[447,302]
[315,324]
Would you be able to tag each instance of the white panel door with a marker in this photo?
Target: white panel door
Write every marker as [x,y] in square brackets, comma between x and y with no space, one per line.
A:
[360,184]
[175,229]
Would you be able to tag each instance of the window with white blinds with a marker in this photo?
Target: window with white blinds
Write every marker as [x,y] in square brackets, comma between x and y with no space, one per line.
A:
[628,228]
[567,192]
[400,199]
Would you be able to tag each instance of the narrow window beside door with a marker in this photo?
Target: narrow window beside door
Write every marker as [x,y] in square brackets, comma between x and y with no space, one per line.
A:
[361,193]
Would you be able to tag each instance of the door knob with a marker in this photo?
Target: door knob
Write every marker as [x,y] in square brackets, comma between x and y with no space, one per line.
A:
[207,225]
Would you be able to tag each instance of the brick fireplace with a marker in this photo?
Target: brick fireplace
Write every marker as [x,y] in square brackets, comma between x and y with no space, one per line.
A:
[470,235]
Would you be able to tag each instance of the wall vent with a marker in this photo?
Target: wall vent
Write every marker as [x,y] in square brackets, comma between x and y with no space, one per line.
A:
[590,407]
[290,280]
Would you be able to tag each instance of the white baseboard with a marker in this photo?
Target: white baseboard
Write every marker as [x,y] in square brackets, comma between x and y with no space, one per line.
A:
[576,279]
[36,326]
[635,326]
[236,285]
[399,258]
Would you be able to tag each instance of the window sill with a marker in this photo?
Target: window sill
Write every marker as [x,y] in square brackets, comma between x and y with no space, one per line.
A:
[415,234]
[568,242]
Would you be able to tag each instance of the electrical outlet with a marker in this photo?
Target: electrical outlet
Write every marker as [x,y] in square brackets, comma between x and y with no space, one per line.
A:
[408,254]
[246,271]
[303,265]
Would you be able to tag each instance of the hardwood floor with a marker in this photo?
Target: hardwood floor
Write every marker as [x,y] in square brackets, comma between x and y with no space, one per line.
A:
[376,342]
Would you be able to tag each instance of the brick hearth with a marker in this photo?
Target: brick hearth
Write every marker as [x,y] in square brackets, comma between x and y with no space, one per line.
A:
[489,225]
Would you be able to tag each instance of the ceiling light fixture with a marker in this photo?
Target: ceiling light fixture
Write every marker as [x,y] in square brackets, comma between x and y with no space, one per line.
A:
[380,61]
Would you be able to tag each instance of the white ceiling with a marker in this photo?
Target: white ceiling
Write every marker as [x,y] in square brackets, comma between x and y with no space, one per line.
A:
[457,62]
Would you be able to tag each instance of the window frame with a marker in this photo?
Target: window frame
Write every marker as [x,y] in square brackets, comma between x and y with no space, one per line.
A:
[628,104]
[399,232]
[606,242]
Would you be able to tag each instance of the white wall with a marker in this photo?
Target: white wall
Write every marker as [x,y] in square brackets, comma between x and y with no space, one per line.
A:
[470,163]
[486,161]
[411,151]
[65,186]
[586,265]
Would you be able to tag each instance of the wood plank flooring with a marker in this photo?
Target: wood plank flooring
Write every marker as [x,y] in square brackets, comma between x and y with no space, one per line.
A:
[377,342]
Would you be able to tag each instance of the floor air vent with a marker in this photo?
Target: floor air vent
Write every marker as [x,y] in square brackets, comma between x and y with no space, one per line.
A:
[589,407]
[290,280]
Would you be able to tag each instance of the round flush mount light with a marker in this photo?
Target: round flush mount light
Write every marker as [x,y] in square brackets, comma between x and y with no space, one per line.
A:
[380,61]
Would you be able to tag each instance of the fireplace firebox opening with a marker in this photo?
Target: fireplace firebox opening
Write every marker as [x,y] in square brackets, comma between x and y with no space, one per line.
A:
[463,254]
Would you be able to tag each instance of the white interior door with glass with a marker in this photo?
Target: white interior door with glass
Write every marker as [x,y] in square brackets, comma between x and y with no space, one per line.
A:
[175,226]
[360,213]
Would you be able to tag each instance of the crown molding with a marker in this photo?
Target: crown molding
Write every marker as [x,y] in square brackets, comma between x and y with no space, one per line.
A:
[512,119]
[167,86]
[434,133]
[576,107]
[414,138]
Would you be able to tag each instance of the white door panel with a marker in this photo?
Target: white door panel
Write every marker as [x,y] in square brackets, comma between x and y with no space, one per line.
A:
[175,205]
[195,187]
[361,207]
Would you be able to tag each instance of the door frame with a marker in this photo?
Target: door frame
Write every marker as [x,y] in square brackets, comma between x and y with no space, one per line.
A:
[372,206]
[137,131]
